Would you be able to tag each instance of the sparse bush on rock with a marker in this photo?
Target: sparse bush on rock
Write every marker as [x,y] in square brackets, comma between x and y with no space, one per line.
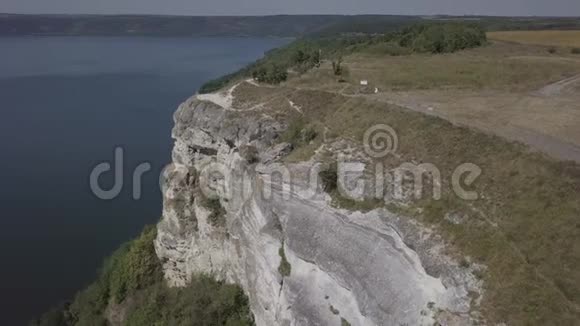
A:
[217,216]
[284,268]
[329,178]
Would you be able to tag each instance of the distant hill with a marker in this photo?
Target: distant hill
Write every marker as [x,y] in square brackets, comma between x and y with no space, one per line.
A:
[278,26]
[142,25]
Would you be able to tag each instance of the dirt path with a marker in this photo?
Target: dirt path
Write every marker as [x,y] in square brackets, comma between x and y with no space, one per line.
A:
[565,86]
[537,140]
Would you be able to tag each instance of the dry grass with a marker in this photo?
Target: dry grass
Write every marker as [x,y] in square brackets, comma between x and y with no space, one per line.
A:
[525,228]
[497,66]
[493,88]
[547,38]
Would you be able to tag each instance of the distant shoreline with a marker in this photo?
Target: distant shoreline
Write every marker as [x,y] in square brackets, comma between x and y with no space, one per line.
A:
[293,26]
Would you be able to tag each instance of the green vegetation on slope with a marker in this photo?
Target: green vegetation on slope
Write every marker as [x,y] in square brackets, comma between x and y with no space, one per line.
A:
[203,302]
[442,38]
[305,54]
[271,74]
[130,289]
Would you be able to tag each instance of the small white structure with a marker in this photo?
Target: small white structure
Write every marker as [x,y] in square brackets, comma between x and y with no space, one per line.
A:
[364,82]
[376,90]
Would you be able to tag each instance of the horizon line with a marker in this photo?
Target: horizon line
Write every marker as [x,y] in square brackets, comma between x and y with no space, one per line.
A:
[278,15]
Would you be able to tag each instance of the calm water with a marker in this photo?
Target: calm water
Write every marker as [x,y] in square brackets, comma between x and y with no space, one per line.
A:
[66,103]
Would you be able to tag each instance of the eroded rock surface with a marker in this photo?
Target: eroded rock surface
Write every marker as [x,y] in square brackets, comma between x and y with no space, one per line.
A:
[372,268]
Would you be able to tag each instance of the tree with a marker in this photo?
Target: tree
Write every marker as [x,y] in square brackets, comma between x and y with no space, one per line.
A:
[300,57]
[336,67]
[315,58]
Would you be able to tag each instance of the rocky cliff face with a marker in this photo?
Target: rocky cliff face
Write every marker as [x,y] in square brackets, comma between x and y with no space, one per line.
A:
[300,260]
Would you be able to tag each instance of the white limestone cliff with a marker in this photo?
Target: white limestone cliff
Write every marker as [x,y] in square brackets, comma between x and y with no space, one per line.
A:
[374,268]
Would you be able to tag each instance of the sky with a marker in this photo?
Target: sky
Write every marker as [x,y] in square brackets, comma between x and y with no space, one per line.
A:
[269,7]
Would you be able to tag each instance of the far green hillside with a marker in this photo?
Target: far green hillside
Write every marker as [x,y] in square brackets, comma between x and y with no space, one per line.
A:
[304,54]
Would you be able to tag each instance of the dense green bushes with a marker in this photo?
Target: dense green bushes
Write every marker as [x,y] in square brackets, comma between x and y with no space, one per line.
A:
[132,267]
[300,55]
[442,38]
[203,302]
[131,281]
[389,48]
[138,268]
[271,74]
[306,59]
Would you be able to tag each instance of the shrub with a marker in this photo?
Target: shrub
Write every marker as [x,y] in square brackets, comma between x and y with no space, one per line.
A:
[329,178]
[277,74]
[298,133]
[272,74]
[552,50]
[204,301]
[300,56]
[134,266]
[250,154]
[217,216]
[284,268]
[138,268]
[336,67]
[575,51]
[339,70]
[308,135]
[334,310]
[306,59]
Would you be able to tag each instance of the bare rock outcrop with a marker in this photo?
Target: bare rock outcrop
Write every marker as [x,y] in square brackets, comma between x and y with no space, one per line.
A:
[372,268]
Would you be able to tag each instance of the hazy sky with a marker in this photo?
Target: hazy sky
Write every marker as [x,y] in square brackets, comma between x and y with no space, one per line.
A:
[266,7]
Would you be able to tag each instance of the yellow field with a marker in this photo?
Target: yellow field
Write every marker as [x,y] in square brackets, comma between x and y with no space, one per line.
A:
[554,38]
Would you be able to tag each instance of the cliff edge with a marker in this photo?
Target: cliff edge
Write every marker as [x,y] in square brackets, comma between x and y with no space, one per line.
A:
[234,208]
